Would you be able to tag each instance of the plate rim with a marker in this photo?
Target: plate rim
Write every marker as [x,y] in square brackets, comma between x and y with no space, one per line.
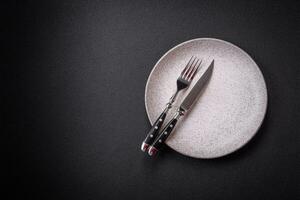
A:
[246,54]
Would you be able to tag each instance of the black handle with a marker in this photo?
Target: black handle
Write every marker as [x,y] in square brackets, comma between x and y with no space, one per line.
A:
[157,144]
[154,130]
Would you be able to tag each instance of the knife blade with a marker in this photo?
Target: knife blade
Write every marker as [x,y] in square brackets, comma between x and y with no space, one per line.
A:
[184,106]
[190,98]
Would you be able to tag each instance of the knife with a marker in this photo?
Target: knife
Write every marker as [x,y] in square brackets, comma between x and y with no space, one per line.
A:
[185,106]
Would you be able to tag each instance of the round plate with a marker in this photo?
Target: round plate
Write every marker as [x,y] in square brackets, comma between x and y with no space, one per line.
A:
[229,111]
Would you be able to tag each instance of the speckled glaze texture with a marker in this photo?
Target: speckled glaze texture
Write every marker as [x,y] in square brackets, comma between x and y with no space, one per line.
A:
[231,108]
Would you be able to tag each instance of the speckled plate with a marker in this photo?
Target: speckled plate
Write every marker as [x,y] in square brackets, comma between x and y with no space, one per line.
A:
[230,110]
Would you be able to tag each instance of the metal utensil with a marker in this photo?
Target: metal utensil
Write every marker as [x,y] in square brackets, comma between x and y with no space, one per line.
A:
[185,105]
[183,81]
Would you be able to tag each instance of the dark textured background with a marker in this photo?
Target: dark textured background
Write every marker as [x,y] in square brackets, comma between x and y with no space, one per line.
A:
[72,99]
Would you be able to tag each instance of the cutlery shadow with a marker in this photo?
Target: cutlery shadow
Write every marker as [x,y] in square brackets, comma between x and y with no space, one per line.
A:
[182,119]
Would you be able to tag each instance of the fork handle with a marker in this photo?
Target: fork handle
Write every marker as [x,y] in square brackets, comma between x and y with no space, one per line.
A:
[155,129]
[165,133]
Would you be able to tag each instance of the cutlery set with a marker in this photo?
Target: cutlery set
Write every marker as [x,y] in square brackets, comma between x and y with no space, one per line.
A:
[155,138]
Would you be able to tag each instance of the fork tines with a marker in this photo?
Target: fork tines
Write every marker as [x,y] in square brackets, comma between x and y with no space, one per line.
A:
[191,68]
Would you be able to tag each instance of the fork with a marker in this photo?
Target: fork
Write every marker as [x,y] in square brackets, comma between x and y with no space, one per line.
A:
[184,80]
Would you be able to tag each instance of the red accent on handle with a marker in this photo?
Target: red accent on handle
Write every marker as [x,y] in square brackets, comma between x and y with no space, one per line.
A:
[144,147]
[152,151]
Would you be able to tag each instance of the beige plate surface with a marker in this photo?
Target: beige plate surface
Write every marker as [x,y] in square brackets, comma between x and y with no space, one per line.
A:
[230,110]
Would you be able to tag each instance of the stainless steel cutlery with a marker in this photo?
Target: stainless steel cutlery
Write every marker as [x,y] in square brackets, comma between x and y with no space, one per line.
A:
[185,106]
[155,139]
[183,82]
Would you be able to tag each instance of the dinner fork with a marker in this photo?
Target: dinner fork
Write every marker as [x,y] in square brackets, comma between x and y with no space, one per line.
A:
[184,80]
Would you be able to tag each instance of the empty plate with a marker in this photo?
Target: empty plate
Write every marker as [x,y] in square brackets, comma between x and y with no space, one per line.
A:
[230,110]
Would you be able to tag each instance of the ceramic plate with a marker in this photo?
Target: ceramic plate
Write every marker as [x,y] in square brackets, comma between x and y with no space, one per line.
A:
[230,110]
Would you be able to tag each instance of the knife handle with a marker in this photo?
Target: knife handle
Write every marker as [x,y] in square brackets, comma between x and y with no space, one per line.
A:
[155,129]
[165,133]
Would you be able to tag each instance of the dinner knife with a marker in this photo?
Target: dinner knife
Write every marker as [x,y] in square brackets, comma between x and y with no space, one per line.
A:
[185,106]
